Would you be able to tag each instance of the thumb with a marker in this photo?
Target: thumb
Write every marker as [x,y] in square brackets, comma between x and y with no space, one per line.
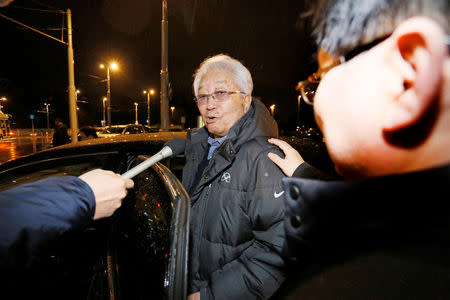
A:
[129,183]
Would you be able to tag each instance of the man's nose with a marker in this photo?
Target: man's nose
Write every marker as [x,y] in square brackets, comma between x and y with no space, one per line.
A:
[210,103]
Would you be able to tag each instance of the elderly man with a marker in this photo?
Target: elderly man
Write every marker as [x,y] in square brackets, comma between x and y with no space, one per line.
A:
[384,110]
[237,203]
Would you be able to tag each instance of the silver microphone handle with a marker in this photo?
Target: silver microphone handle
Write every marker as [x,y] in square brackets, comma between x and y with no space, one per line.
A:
[164,153]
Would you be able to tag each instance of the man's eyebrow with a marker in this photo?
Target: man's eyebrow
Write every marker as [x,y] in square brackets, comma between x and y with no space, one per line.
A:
[216,82]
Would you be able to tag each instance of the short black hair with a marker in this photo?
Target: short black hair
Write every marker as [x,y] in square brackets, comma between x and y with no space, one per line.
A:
[88,131]
[342,25]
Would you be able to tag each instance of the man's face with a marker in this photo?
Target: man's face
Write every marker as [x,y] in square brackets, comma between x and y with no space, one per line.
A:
[220,116]
[348,107]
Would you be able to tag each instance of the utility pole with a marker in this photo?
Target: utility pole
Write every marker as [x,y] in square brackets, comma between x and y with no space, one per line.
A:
[72,92]
[164,69]
[72,97]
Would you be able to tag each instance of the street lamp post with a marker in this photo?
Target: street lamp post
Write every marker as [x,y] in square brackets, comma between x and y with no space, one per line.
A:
[149,93]
[104,113]
[136,113]
[112,66]
[47,112]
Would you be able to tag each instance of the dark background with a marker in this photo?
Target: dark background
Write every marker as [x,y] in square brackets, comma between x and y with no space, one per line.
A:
[269,37]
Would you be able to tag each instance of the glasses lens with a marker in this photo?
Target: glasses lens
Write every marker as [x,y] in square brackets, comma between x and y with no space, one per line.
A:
[221,95]
[308,90]
[200,98]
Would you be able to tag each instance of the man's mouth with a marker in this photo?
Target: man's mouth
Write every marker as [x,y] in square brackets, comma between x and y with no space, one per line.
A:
[210,119]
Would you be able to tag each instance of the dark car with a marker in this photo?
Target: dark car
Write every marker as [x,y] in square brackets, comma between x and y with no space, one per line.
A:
[138,253]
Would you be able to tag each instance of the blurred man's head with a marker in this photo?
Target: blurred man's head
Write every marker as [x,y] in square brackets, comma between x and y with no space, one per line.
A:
[223,88]
[384,110]
[58,121]
[86,133]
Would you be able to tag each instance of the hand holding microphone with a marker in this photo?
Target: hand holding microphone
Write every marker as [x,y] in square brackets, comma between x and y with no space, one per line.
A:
[173,147]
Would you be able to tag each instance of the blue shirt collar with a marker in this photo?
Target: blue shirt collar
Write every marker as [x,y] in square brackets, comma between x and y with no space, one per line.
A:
[214,144]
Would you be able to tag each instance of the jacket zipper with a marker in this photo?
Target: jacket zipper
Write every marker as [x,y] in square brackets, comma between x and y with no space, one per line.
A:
[204,206]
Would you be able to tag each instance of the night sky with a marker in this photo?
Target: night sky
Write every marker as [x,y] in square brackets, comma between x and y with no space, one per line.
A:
[265,35]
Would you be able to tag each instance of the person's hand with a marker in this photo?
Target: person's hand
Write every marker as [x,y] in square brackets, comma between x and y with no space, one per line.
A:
[292,158]
[109,190]
[194,296]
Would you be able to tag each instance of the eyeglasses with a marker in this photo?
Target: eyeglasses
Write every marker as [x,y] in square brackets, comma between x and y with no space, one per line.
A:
[218,96]
[309,86]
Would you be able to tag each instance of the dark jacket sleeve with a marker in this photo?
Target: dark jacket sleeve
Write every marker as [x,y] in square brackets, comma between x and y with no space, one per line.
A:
[260,270]
[37,212]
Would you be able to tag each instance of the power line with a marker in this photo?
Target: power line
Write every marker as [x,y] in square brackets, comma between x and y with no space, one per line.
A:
[37,9]
[48,6]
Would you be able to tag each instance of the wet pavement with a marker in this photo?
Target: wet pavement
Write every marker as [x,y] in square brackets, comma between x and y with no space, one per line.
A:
[15,147]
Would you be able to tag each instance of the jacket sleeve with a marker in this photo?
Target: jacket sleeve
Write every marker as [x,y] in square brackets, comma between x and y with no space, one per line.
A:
[259,271]
[34,213]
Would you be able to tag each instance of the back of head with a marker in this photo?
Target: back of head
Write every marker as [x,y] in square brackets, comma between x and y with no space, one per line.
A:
[343,25]
[89,131]
[392,81]
[242,75]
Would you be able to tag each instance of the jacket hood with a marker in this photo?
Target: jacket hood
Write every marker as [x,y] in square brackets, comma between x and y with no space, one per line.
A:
[256,122]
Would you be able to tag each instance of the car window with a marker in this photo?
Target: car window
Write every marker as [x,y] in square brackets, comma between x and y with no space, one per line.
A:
[142,239]
[133,130]
[121,257]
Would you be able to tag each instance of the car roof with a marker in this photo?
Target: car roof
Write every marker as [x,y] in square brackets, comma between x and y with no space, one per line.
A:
[117,143]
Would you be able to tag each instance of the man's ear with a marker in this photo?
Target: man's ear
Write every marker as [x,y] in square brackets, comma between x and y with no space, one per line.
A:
[419,53]
[247,102]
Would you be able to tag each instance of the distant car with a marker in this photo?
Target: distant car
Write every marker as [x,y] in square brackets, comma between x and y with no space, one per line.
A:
[115,130]
[151,129]
[138,253]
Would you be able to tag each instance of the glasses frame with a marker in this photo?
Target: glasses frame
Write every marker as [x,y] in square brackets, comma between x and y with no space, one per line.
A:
[214,96]
[310,85]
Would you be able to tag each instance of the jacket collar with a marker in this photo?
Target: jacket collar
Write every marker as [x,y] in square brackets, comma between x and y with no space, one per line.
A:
[393,188]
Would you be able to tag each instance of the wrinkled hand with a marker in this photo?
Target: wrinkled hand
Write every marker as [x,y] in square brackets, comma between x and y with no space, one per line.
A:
[109,190]
[292,159]
[194,296]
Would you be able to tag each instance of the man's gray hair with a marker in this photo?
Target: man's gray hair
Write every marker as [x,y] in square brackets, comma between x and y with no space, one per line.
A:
[242,76]
[343,25]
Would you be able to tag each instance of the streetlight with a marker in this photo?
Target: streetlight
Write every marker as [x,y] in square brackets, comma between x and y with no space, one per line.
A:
[2,99]
[172,108]
[150,92]
[272,108]
[136,112]
[112,66]
[77,92]
[48,119]
[104,118]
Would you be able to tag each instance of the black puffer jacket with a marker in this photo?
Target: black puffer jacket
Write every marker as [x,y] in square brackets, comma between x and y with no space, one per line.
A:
[237,211]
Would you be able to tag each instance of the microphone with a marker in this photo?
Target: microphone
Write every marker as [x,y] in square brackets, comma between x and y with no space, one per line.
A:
[173,147]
